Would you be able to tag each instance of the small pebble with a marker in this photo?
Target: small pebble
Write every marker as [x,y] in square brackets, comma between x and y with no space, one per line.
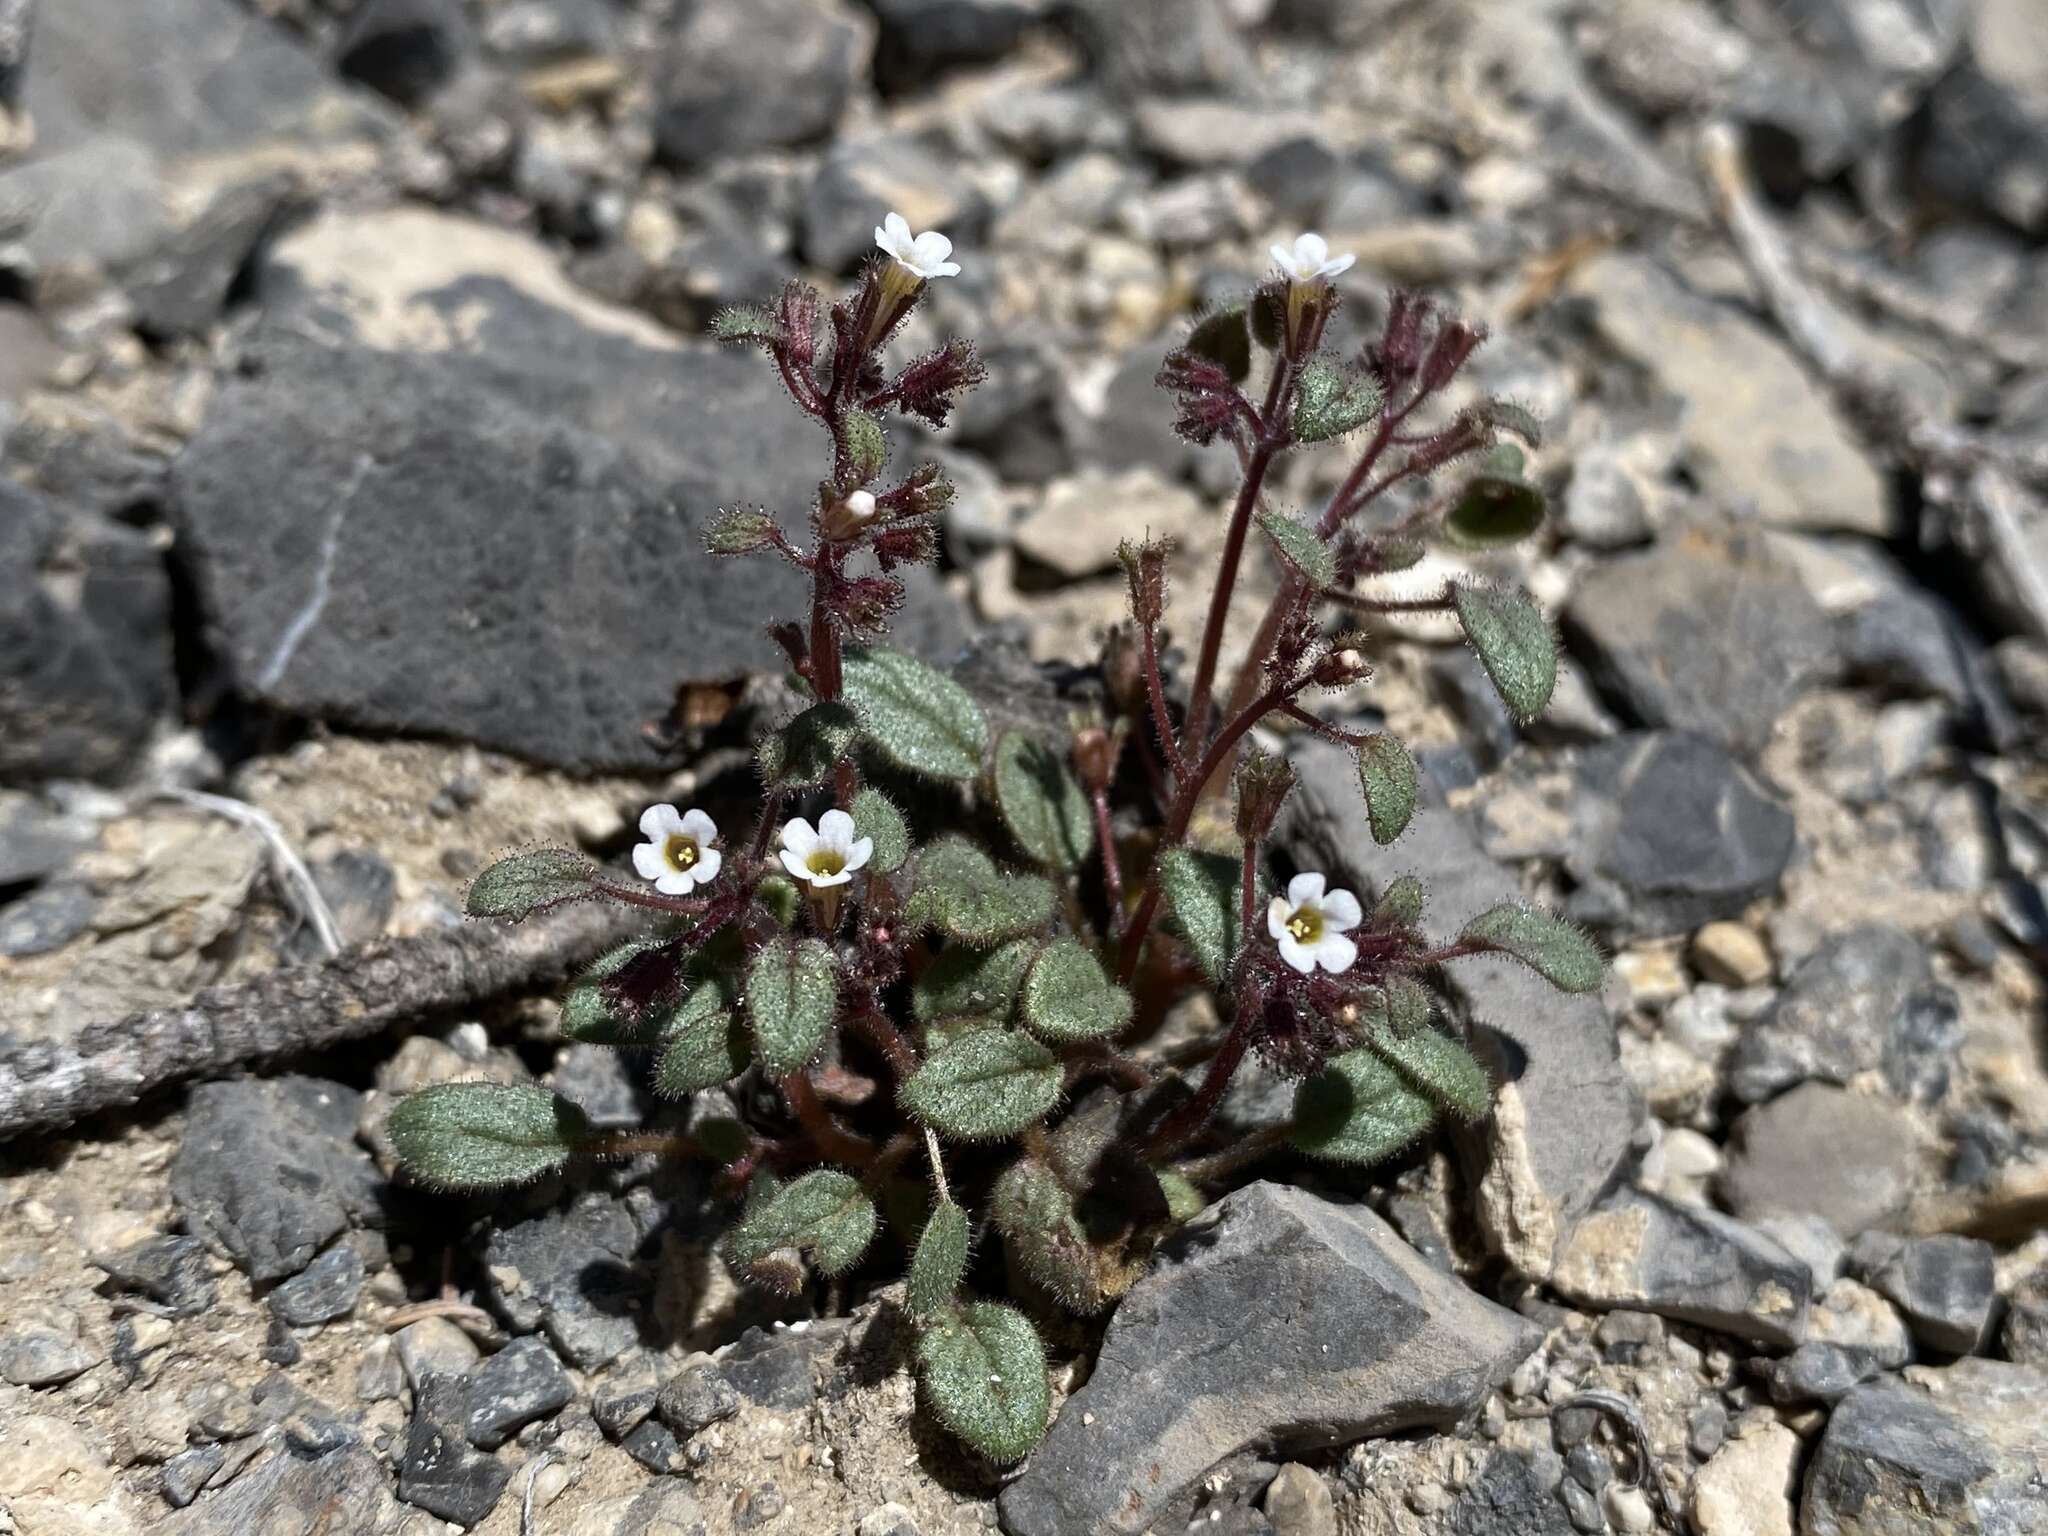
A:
[1732,955]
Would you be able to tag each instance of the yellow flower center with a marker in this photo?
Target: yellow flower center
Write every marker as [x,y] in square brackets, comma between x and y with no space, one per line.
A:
[682,853]
[1306,925]
[825,861]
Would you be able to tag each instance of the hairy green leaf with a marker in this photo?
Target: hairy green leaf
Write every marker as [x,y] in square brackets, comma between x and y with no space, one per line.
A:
[867,445]
[1388,776]
[1400,904]
[745,322]
[1498,505]
[959,890]
[805,750]
[939,1262]
[527,883]
[1506,416]
[966,982]
[1299,547]
[921,719]
[983,1369]
[792,995]
[825,1213]
[1358,1110]
[1438,1065]
[1544,942]
[1224,339]
[875,816]
[588,1016]
[1202,889]
[1184,1199]
[985,1085]
[480,1135]
[703,1046]
[1514,642]
[739,531]
[1042,802]
[1068,998]
[1044,1235]
[1329,402]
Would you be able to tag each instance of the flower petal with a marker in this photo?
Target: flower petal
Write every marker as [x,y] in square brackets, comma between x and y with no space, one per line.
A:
[946,269]
[700,826]
[1296,953]
[1311,250]
[1340,265]
[1306,888]
[835,830]
[1283,258]
[675,883]
[660,821]
[794,863]
[708,864]
[799,837]
[1336,953]
[648,862]
[1277,913]
[858,852]
[897,229]
[820,882]
[1341,911]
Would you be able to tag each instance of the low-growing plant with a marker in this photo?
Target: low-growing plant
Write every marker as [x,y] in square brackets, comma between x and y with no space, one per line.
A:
[942,1015]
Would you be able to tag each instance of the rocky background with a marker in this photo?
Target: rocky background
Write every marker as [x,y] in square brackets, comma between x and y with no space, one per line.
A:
[356,436]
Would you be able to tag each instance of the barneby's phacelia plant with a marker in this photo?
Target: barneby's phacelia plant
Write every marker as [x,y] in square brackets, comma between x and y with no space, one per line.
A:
[936,1026]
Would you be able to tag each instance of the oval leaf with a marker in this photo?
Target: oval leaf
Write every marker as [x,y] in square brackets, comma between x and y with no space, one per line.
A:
[939,1262]
[527,883]
[1358,1110]
[1514,642]
[959,891]
[792,995]
[985,1085]
[1043,1235]
[1067,997]
[1043,802]
[1224,339]
[1202,890]
[971,983]
[588,1015]
[1388,776]
[1441,1067]
[825,1214]
[1496,507]
[1329,402]
[705,1046]
[805,750]
[1399,906]
[919,718]
[479,1135]
[1544,942]
[1300,547]
[983,1368]
[875,817]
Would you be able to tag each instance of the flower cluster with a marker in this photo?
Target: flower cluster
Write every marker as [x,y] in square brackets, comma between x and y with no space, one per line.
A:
[938,1006]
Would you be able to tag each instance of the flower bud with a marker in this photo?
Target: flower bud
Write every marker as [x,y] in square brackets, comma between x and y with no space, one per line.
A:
[1123,669]
[1145,567]
[849,516]
[1095,757]
[1337,668]
[1263,784]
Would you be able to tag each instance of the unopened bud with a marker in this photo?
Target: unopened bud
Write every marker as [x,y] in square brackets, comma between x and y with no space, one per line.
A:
[846,517]
[1145,567]
[1123,669]
[1263,785]
[1095,757]
[1340,667]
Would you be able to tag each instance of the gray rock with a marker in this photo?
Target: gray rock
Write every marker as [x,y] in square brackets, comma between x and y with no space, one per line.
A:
[308,1425]
[1277,1321]
[521,1383]
[574,1273]
[621,1409]
[1865,1000]
[438,1471]
[269,1171]
[772,72]
[654,1447]
[1958,1449]
[1946,1286]
[779,1368]
[1988,121]
[1821,1372]
[1507,1499]
[1707,632]
[540,31]
[1668,833]
[1166,45]
[1576,1113]
[181,287]
[432,1347]
[324,1290]
[2024,1336]
[37,841]
[346,1490]
[863,179]
[186,1474]
[1809,1239]
[47,918]
[405,49]
[698,1397]
[350,508]
[921,36]
[85,642]
[1690,1263]
[1758,429]
[171,1271]
[37,1352]
[601,1082]
[1823,1151]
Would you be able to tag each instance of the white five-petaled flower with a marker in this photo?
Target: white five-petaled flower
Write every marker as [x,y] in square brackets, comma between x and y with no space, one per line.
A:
[678,855]
[1309,259]
[1309,924]
[826,855]
[924,255]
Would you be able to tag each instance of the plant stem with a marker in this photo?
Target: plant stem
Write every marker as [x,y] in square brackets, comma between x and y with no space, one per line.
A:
[1241,1153]
[1112,867]
[824,634]
[1155,688]
[834,1142]
[1248,881]
[888,1039]
[1191,1116]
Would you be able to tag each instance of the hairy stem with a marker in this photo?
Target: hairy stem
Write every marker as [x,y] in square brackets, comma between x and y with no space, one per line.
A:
[1172,1132]
[1155,689]
[834,1142]
[1241,1153]
[1112,867]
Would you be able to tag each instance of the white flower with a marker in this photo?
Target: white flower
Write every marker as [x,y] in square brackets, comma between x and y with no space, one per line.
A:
[1309,925]
[827,855]
[860,506]
[1310,259]
[925,255]
[677,856]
